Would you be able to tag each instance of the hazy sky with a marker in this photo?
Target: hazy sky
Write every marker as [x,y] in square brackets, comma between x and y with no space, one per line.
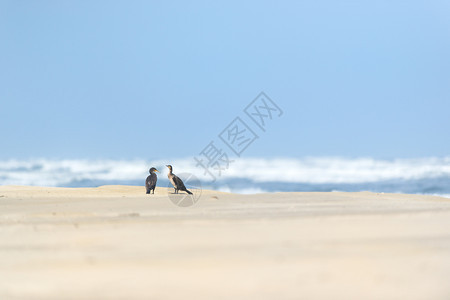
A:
[158,79]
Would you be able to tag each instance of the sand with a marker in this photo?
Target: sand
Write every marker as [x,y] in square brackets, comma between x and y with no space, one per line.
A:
[116,242]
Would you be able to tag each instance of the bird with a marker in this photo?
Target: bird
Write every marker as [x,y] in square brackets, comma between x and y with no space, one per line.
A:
[150,182]
[177,182]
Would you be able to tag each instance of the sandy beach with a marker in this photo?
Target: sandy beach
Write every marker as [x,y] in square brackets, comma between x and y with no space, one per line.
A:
[116,242]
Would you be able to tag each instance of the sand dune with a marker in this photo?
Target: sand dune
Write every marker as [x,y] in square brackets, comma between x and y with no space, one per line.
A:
[116,242]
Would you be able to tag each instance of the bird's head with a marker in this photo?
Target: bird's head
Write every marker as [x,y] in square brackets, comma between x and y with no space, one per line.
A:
[152,170]
[170,167]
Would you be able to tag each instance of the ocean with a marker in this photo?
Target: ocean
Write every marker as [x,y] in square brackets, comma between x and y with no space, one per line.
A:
[430,176]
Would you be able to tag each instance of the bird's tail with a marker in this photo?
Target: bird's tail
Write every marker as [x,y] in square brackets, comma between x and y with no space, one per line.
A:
[188,191]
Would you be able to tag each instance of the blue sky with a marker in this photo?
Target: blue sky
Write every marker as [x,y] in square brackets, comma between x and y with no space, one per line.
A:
[159,79]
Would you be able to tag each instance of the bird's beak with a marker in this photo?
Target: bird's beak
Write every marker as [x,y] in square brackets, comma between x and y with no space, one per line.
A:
[157,171]
[167,165]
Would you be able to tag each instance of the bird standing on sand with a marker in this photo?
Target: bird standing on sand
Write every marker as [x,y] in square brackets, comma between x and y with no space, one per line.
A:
[150,182]
[176,182]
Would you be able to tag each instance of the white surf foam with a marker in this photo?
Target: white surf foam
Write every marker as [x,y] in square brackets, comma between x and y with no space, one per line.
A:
[313,170]
[331,169]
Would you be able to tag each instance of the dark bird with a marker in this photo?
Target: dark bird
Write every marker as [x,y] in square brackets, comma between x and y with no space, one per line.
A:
[176,182]
[150,182]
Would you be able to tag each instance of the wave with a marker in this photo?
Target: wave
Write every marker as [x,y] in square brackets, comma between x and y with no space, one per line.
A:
[339,170]
[247,175]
